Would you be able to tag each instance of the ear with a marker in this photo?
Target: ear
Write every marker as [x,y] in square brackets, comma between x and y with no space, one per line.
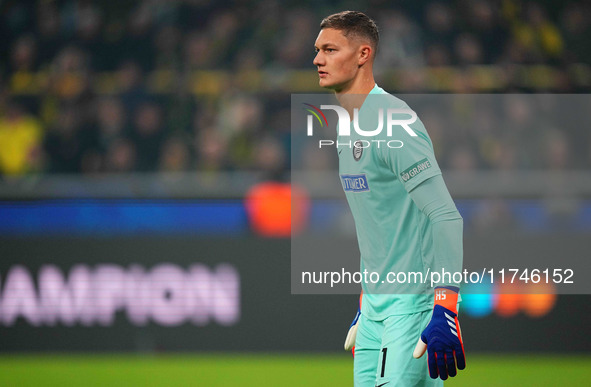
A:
[365,53]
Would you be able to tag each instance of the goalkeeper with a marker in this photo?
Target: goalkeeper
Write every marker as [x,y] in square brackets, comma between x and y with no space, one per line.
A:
[405,219]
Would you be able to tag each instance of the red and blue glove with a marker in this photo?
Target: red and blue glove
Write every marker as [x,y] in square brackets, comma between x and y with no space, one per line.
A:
[442,338]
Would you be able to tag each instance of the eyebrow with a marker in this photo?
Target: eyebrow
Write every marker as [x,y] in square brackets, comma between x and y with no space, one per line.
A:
[325,45]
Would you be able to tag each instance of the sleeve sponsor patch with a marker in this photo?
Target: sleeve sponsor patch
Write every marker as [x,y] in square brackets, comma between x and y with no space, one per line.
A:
[355,183]
[415,169]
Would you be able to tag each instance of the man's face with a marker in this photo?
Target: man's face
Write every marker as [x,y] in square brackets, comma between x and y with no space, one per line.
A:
[336,59]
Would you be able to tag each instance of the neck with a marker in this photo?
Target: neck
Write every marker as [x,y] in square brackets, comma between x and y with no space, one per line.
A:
[353,95]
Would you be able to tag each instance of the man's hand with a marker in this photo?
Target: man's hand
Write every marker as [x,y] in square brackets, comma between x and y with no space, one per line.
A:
[442,338]
[352,334]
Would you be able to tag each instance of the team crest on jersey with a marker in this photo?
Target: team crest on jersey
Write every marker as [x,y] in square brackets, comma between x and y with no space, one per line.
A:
[357,150]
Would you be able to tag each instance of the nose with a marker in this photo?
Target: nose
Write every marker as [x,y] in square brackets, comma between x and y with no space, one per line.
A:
[318,59]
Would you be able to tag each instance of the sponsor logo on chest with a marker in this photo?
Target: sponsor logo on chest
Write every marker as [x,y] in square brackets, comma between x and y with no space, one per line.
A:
[355,183]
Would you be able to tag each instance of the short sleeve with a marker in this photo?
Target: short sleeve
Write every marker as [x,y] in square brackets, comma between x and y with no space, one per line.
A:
[414,160]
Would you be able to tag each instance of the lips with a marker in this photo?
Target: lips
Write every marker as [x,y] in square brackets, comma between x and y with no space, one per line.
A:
[322,74]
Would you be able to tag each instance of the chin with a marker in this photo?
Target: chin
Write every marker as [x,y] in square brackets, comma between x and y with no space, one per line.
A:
[325,84]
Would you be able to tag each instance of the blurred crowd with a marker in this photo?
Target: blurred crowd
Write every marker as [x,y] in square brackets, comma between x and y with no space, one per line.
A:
[79,78]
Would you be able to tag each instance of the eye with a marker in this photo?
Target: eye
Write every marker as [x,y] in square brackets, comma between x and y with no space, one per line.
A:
[330,50]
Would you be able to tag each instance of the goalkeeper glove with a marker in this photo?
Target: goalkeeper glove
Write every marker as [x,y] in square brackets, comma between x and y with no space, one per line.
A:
[352,334]
[442,338]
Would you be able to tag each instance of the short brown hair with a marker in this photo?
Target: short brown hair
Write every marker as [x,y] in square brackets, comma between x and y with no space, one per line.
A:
[354,23]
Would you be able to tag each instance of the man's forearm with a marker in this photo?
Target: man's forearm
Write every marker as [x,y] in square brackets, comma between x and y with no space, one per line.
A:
[434,200]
